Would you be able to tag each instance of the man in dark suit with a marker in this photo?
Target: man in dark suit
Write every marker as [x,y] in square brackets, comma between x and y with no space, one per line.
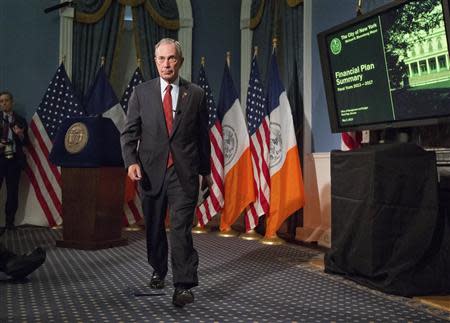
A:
[13,136]
[165,146]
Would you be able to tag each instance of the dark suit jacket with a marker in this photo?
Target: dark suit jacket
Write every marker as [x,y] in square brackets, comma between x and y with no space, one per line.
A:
[21,122]
[145,139]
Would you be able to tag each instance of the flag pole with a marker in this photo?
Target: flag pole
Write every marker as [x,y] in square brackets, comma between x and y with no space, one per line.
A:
[359,11]
[274,240]
[252,234]
[199,229]
[230,232]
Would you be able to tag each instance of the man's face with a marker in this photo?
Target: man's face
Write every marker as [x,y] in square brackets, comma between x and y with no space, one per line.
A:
[6,103]
[168,62]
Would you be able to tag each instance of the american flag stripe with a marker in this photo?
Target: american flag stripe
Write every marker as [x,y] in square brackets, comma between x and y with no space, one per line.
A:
[39,164]
[251,218]
[213,204]
[39,141]
[133,205]
[131,212]
[51,171]
[38,128]
[217,156]
[212,200]
[203,212]
[45,184]
[41,199]
[351,140]
[258,126]
[264,177]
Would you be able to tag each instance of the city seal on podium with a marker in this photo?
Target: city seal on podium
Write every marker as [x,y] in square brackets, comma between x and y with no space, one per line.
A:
[76,138]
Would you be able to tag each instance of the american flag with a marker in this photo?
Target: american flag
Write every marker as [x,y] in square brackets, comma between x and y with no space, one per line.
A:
[58,103]
[213,204]
[351,140]
[135,80]
[259,132]
[132,207]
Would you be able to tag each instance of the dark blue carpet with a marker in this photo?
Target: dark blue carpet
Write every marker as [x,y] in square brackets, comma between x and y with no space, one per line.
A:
[240,281]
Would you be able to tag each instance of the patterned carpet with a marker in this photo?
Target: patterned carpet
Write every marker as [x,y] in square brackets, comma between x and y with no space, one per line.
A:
[240,281]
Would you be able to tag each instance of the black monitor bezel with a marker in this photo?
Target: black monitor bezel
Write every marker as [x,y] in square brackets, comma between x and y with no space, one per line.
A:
[328,83]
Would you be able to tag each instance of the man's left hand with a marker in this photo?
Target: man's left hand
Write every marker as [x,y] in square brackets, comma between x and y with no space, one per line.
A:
[206,182]
[18,131]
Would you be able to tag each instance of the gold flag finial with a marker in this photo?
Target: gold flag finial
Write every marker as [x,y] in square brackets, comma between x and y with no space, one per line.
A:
[255,51]
[139,62]
[202,61]
[102,61]
[228,58]
[274,42]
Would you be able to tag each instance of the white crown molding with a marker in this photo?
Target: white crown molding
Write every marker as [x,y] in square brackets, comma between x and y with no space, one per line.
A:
[246,49]
[66,16]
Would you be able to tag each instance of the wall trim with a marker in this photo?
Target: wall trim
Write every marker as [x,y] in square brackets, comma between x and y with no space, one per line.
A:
[185,36]
[66,17]
[246,49]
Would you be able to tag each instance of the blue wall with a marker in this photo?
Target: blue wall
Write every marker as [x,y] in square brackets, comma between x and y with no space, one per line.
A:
[216,31]
[325,14]
[29,51]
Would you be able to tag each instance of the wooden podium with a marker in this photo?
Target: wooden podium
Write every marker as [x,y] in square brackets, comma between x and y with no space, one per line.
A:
[93,178]
[92,207]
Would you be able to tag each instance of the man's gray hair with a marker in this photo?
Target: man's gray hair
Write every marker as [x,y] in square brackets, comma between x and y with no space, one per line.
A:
[170,41]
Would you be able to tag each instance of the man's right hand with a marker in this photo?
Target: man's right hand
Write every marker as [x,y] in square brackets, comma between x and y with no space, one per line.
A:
[134,172]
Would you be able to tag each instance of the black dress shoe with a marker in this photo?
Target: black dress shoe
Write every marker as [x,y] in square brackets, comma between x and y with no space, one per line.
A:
[156,282]
[182,297]
[18,267]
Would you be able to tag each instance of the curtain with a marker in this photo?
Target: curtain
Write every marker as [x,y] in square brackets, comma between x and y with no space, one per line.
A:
[291,53]
[94,36]
[97,28]
[153,20]
[264,25]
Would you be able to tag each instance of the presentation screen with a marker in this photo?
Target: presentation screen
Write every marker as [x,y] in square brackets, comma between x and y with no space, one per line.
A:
[388,68]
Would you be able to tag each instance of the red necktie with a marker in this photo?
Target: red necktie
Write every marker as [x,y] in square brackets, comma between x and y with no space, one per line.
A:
[167,105]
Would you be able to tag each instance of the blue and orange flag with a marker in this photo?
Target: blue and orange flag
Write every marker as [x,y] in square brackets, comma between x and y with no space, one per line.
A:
[287,193]
[238,179]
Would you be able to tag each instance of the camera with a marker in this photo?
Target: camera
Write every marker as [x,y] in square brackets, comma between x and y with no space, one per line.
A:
[8,150]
